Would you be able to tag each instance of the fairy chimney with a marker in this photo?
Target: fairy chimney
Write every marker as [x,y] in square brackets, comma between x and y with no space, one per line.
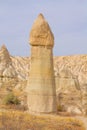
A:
[41,85]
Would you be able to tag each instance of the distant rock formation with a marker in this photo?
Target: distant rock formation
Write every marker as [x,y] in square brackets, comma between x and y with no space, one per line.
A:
[70,75]
[71,82]
[11,67]
[68,92]
[41,86]
[6,67]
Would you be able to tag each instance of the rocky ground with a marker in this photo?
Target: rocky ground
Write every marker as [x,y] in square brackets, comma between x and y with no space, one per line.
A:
[83,119]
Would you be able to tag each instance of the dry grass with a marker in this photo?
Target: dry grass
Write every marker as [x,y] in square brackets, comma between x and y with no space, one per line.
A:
[15,120]
[14,107]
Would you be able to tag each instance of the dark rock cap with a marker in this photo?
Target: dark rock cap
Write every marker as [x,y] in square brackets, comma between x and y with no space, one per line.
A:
[40,34]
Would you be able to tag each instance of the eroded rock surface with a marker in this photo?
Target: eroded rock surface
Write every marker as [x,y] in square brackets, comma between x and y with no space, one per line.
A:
[41,84]
[41,33]
[68,92]
[70,75]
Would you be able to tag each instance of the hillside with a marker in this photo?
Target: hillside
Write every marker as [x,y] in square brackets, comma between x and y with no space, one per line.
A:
[70,76]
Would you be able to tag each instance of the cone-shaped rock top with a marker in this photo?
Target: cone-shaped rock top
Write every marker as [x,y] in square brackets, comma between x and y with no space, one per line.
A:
[4,54]
[40,34]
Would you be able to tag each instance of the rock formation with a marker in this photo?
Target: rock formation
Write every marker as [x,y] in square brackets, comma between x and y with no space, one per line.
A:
[12,76]
[6,67]
[41,91]
[11,67]
[68,92]
[70,76]
[73,89]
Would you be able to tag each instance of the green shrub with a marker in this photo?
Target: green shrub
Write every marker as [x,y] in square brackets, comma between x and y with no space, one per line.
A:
[11,99]
[59,107]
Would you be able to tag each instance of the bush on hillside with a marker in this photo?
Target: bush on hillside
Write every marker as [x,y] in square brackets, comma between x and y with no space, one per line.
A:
[11,99]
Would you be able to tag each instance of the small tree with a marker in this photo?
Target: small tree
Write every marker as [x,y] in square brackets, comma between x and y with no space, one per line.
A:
[11,99]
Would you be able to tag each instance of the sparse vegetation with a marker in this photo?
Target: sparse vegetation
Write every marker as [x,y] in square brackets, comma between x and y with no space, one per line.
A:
[59,107]
[15,120]
[11,99]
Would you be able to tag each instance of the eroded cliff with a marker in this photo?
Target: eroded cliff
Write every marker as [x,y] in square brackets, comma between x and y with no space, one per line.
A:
[70,77]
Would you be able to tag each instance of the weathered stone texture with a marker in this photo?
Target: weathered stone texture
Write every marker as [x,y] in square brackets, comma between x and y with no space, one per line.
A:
[70,76]
[68,92]
[75,85]
[40,33]
[41,87]
[41,91]
[6,67]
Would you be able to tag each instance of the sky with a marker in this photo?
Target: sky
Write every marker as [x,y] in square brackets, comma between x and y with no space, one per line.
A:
[67,19]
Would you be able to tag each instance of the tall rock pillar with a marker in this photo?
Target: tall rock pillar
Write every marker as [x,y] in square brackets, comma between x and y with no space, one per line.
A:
[41,87]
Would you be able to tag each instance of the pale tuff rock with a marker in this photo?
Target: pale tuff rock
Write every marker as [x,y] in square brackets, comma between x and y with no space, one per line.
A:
[4,55]
[75,85]
[11,73]
[70,77]
[13,67]
[22,67]
[41,33]
[65,73]
[74,110]
[83,85]
[41,85]
[68,91]
[6,68]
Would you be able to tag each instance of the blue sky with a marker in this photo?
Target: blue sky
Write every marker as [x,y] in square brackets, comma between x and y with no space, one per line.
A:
[67,19]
